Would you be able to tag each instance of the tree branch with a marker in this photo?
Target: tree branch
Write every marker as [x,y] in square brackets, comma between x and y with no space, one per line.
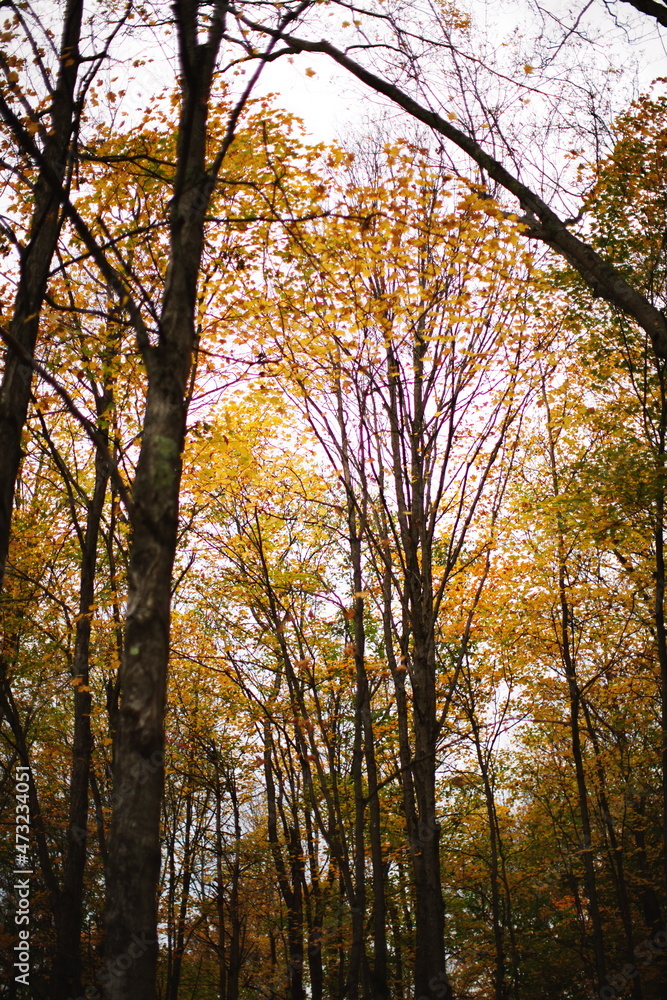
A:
[540,221]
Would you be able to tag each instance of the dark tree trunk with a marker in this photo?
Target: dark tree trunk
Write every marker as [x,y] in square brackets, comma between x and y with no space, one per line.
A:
[66,981]
[430,975]
[235,919]
[364,750]
[134,843]
[500,975]
[229,948]
[314,913]
[566,646]
[174,978]
[615,851]
[36,257]
[290,886]
[659,599]
[649,900]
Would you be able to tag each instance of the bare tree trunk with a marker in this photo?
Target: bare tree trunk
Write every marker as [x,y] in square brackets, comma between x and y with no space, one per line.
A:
[134,843]
[430,973]
[500,974]
[659,599]
[35,264]
[314,913]
[174,977]
[66,975]
[290,888]
[220,902]
[564,637]
[659,617]
[430,976]
[364,749]
[615,850]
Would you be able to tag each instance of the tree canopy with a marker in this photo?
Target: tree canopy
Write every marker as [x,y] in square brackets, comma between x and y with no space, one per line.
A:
[333,651]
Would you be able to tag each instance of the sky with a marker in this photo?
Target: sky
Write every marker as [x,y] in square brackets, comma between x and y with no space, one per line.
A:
[333,105]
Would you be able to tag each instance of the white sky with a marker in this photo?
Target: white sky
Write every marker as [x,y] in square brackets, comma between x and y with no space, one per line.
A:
[332,104]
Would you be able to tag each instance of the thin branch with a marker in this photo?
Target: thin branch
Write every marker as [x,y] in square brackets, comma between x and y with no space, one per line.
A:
[91,430]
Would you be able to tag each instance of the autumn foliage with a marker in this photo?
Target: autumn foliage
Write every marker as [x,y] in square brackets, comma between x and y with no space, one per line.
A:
[386,485]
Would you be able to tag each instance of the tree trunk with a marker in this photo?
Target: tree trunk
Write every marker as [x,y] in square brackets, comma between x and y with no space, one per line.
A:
[574,695]
[45,226]
[615,850]
[659,603]
[364,750]
[290,888]
[500,989]
[66,975]
[174,978]
[430,975]
[314,913]
[134,843]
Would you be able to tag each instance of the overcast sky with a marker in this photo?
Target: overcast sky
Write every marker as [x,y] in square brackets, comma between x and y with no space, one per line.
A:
[331,103]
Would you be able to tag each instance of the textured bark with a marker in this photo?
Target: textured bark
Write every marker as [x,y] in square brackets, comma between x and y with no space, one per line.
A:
[45,226]
[134,844]
[134,850]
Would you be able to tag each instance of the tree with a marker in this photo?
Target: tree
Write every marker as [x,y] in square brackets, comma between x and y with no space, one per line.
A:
[414,389]
[406,394]
[540,221]
[45,223]
[166,337]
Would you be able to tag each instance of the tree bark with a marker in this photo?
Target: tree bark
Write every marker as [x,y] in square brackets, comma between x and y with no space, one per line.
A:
[364,748]
[134,843]
[314,912]
[290,887]
[430,976]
